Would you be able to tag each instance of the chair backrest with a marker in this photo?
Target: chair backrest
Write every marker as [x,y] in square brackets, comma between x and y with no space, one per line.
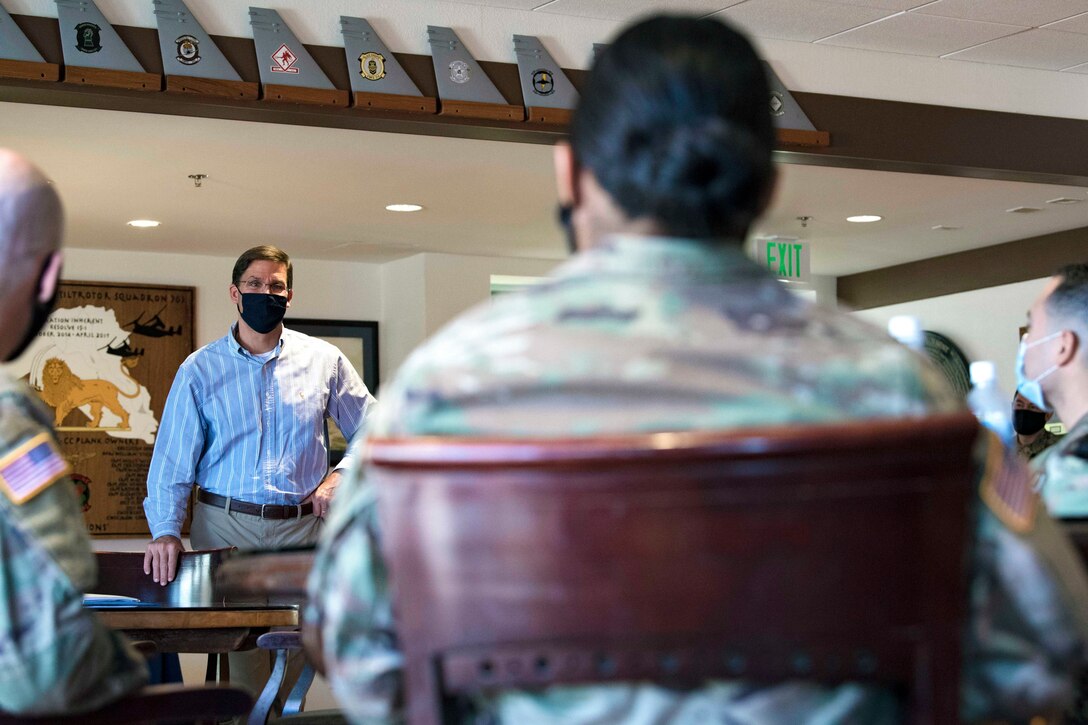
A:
[122,573]
[831,552]
[276,576]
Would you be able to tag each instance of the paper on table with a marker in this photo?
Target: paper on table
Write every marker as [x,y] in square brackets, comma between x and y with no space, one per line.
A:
[107,599]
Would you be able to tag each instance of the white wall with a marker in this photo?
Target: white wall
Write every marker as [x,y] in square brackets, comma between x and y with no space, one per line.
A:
[984,323]
[404,310]
[454,283]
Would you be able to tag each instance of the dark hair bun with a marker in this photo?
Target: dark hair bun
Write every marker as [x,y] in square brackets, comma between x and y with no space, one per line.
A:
[674,125]
[699,179]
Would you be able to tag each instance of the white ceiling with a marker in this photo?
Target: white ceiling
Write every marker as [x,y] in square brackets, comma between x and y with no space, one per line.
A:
[1045,34]
[320,193]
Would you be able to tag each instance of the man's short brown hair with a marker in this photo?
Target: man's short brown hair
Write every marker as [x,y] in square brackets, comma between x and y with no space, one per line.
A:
[266,252]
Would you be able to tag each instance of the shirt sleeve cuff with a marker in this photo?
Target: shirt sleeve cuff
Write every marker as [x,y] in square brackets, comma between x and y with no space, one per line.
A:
[166,530]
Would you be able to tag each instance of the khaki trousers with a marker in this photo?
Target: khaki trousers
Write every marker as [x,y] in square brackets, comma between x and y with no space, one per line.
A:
[214,528]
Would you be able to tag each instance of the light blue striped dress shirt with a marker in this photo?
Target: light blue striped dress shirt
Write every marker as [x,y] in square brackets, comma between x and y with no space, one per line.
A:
[248,429]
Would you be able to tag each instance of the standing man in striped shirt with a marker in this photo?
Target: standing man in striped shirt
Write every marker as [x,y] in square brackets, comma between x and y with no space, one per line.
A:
[245,423]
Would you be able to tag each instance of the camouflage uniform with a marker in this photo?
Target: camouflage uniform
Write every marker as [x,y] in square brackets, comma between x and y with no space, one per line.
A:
[1063,472]
[1040,443]
[662,334]
[55,656]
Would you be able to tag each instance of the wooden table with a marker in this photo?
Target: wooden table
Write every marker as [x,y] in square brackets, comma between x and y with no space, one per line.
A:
[211,629]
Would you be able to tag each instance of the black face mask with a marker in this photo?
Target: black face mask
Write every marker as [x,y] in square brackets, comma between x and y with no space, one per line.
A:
[263,312]
[38,316]
[1028,422]
[564,212]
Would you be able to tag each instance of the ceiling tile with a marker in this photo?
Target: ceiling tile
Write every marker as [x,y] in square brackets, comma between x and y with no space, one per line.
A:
[921,35]
[515,4]
[1046,49]
[892,5]
[803,20]
[627,9]
[1075,24]
[1030,13]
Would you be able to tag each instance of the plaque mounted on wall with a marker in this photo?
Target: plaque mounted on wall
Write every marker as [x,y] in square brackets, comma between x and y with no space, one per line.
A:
[103,366]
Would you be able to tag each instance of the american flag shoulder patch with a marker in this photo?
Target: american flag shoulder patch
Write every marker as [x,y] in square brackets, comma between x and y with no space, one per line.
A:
[1007,488]
[31,468]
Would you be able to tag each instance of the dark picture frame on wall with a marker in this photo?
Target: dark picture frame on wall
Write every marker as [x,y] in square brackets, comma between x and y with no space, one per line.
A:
[358,340]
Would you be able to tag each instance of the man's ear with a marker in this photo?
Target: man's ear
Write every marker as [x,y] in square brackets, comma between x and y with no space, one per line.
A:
[1070,345]
[566,174]
[235,295]
[50,277]
[290,296]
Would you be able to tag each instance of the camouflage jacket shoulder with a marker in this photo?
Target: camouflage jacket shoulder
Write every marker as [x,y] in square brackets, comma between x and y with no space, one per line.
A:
[644,334]
[1040,443]
[1063,472]
[54,655]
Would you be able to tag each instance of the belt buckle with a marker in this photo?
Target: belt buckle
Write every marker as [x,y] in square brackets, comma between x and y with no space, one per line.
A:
[262,510]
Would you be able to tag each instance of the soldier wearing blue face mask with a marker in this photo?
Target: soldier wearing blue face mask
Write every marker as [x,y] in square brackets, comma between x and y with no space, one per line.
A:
[1052,373]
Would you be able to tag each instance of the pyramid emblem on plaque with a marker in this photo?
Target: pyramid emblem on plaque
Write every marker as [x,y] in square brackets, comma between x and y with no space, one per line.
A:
[783,108]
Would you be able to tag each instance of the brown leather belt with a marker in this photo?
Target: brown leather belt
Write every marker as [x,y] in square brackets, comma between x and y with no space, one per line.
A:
[264,510]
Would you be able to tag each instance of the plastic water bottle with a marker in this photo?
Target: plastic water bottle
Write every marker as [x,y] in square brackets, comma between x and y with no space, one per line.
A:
[989,403]
[908,331]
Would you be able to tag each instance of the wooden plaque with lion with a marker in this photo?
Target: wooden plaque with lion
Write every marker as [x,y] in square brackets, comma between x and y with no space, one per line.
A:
[103,366]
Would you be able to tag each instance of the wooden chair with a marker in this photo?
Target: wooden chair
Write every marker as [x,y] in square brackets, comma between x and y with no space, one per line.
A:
[155,705]
[276,577]
[194,585]
[826,552]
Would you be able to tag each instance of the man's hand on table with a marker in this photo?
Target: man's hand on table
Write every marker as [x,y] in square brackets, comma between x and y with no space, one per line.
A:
[161,559]
[322,496]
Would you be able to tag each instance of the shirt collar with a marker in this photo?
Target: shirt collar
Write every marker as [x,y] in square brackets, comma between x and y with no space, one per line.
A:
[237,346]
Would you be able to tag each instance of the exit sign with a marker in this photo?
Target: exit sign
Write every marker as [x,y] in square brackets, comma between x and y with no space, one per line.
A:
[787,259]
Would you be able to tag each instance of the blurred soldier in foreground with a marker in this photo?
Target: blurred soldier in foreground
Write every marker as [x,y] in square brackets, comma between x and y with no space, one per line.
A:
[661,323]
[55,656]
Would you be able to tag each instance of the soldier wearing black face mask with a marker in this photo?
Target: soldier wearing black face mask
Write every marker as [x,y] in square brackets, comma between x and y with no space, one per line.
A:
[1032,437]
[55,656]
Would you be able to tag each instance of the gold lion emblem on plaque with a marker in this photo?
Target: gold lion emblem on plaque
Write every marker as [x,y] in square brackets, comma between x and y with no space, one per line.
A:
[372,66]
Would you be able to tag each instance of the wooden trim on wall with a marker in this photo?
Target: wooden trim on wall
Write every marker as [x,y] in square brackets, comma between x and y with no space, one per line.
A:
[919,138]
[1019,261]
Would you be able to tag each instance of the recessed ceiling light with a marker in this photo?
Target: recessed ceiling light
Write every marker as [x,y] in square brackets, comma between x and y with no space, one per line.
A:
[1064,200]
[403,207]
[143,223]
[864,218]
[1023,210]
